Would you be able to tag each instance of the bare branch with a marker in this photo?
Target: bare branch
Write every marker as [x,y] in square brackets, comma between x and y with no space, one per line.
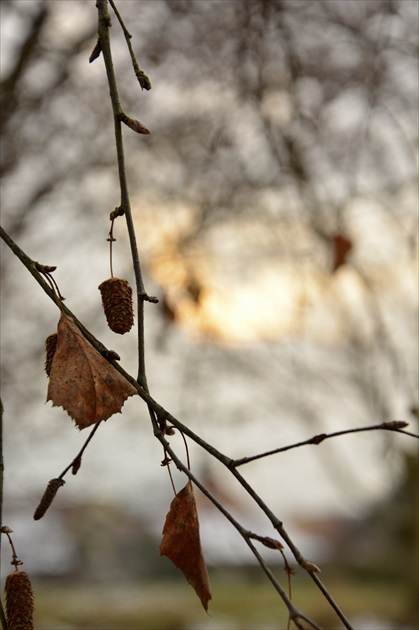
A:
[159,415]
[394,425]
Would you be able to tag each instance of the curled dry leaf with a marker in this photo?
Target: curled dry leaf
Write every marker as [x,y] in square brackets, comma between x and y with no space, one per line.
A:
[81,381]
[182,545]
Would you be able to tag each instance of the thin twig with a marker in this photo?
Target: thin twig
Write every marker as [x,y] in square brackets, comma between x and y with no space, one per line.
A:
[103,32]
[395,425]
[77,459]
[294,612]
[157,413]
[142,78]
[2,614]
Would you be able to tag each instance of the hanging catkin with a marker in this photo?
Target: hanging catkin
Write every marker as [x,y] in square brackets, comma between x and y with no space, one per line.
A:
[117,304]
[50,347]
[48,497]
[19,601]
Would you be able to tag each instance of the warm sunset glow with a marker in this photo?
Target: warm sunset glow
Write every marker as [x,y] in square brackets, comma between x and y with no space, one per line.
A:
[248,302]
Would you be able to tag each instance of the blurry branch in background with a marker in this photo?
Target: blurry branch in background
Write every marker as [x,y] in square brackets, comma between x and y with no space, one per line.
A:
[9,94]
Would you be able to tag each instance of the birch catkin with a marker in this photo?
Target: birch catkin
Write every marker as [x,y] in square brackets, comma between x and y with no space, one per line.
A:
[117,304]
[19,601]
[47,498]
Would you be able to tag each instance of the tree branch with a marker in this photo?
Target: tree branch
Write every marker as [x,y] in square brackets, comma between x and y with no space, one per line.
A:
[104,23]
[159,413]
[2,615]
[394,425]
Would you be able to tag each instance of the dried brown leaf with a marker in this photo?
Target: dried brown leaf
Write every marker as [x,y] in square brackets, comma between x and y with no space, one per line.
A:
[181,542]
[81,381]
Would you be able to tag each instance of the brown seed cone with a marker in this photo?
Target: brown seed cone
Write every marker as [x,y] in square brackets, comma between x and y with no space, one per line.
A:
[19,601]
[50,347]
[117,304]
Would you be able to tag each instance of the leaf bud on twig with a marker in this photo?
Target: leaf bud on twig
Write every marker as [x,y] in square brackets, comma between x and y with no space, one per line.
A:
[395,424]
[76,466]
[133,124]
[95,52]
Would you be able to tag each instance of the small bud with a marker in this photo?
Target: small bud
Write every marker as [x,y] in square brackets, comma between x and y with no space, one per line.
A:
[395,424]
[76,466]
[118,212]
[45,268]
[133,124]
[310,567]
[150,298]
[5,529]
[117,304]
[143,79]
[95,52]
[111,355]
[19,601]
[271,543]
[317,439]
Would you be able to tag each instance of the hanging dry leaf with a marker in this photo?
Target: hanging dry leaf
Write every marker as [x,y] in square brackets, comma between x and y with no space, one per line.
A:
[341,248]
[182,545]
[81,381]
